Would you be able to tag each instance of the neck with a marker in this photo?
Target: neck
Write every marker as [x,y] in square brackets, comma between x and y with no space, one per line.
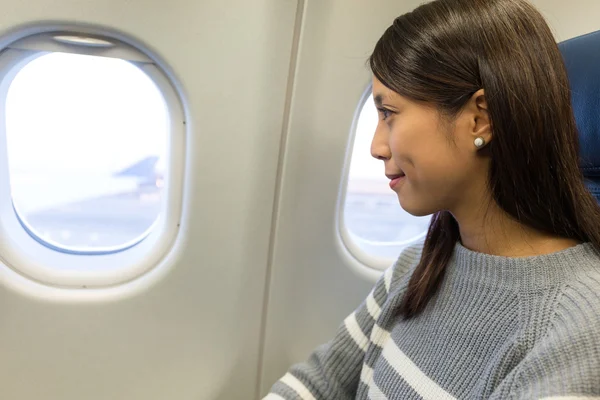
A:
[489,229]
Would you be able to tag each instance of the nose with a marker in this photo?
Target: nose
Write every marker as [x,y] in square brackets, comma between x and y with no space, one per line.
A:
[379,146]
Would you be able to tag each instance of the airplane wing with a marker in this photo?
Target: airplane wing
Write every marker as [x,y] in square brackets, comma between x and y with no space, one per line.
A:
[39,191]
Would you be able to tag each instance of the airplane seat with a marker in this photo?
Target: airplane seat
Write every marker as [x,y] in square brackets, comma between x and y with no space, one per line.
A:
[582,59]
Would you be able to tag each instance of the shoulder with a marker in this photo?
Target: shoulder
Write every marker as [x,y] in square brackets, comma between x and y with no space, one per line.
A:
[579,300]
[575,318]
[577,310]
[565,359]
[569,351]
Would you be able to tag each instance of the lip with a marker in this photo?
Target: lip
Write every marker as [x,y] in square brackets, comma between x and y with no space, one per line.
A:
[394,182]
[395,179]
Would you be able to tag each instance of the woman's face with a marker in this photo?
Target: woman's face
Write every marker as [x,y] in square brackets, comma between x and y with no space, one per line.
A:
[432,163]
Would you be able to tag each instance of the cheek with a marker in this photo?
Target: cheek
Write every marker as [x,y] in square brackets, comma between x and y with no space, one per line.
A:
[432,164]
[423,151]
[404,143]
[435,181]
[416,146]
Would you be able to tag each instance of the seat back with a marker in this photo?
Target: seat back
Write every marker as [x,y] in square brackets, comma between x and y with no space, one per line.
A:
[582,59]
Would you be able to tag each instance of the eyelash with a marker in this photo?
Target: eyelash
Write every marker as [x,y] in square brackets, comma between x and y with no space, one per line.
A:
[383,111]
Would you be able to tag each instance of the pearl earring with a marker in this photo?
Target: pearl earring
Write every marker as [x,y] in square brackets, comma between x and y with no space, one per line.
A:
[479,142]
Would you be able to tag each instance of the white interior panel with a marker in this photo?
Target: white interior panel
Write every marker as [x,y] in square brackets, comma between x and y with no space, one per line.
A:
[194,333]
[315,283]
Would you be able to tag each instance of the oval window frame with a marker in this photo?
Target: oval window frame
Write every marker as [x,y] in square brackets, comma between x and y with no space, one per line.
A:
[31,257]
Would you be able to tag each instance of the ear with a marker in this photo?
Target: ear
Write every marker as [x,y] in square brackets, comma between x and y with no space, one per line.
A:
[481,122]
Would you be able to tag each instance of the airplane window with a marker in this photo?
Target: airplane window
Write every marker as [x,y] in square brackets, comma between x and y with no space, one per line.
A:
[372,215]
[86,141]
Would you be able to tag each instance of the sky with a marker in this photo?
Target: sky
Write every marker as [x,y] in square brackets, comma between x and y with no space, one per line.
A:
[84,113]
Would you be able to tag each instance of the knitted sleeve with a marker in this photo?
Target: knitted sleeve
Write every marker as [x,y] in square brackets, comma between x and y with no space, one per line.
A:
[333,370]
[566,363]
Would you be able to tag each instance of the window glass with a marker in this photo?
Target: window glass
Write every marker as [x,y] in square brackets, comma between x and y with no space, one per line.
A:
[372,214]
[87,138]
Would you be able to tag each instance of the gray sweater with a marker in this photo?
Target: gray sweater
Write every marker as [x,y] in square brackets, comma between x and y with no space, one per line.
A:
[498,328]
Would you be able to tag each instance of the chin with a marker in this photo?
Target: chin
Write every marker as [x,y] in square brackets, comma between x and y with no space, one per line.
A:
[418,213]
[416,210]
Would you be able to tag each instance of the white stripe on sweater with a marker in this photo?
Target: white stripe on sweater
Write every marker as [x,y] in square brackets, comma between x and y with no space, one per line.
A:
[387,278]
[373,307]
[273,396]
[379,336]
[375,393]
[355,332]
[298,387]
[410,372]
[366,375]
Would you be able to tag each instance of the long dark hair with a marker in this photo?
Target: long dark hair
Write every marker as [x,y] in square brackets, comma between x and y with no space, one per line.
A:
[442,53]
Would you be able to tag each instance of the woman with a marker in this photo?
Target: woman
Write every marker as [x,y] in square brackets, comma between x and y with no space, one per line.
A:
[503,298]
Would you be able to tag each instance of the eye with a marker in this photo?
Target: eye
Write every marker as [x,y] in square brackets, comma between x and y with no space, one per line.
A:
[385,113]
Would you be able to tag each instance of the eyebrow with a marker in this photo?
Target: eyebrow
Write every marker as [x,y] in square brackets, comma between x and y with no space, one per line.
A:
[378,100]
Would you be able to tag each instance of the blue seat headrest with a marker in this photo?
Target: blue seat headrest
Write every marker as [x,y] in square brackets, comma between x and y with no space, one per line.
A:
[582,60]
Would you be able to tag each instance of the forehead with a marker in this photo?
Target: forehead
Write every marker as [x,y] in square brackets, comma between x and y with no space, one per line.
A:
[382,93]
